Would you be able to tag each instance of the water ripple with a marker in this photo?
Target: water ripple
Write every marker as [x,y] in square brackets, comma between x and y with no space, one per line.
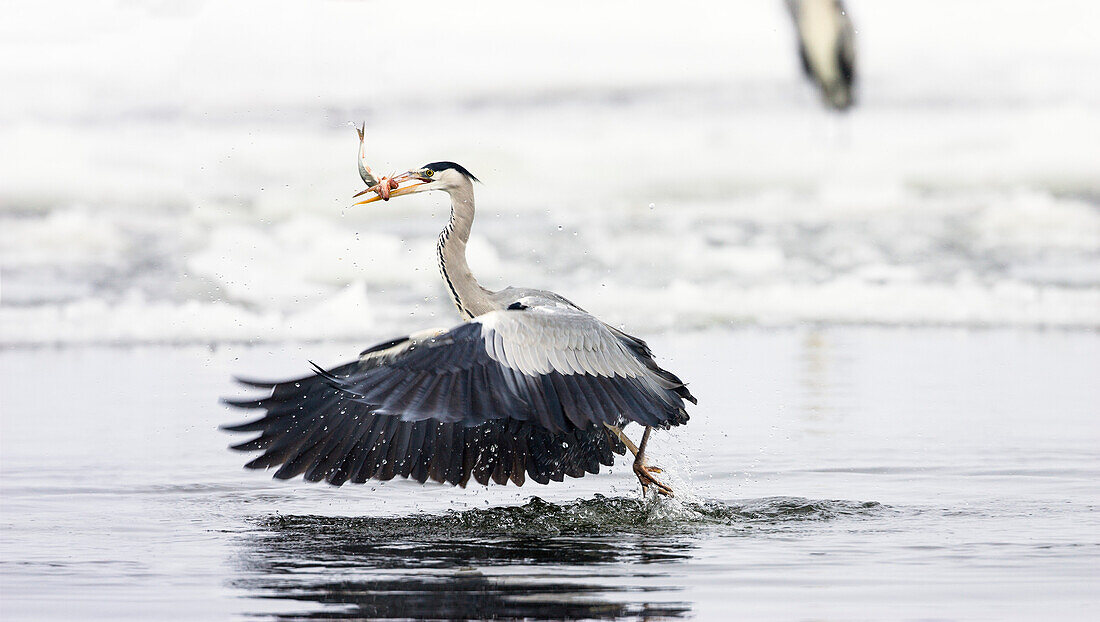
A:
[599,558]
[597,516]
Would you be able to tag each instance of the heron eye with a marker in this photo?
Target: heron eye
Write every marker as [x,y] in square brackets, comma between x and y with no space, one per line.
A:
[428,172]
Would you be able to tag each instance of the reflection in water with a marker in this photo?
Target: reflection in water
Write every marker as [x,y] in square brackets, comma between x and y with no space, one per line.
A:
[822,381]
[599,558]
[463,598]
[440,579]
[814,377]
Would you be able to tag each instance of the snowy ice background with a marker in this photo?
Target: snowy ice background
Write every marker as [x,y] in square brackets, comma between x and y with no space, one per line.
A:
[181,172]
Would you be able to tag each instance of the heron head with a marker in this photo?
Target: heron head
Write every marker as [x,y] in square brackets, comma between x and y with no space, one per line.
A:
[445,176]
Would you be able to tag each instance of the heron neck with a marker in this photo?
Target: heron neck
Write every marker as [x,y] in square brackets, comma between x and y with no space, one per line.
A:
[468,295]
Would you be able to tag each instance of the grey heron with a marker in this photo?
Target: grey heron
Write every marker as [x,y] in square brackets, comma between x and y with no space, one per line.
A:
[529,386]
[826,46]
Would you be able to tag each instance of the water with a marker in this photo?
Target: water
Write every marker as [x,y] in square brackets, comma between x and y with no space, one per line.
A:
[890,317]
[831,473]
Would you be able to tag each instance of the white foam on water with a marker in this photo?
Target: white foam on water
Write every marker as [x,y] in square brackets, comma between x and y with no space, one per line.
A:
[669,171]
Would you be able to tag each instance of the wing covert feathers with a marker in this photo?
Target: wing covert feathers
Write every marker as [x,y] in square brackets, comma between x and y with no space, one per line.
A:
[498,399]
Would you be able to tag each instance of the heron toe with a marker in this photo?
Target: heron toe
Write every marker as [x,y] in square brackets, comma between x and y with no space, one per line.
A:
[643,472]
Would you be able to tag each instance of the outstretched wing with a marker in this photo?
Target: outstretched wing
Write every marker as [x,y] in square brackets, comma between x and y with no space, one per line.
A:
[318,431]
[526,390]
[552,365]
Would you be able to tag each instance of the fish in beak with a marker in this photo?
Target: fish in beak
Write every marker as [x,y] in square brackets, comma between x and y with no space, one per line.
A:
[390,187]
[387,186]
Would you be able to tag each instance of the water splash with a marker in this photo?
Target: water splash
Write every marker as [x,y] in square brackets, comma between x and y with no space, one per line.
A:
[492,562]
[598,516]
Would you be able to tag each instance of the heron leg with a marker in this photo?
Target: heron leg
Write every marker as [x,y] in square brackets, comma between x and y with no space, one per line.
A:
[619,434]
[641,469]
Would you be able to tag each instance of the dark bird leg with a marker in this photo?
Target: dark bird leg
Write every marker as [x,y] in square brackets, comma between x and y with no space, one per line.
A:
[641,469]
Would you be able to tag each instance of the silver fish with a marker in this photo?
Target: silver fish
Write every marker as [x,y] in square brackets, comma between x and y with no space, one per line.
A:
[364,170]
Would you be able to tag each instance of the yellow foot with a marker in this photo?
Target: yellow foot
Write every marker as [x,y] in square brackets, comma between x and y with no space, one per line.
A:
[644,471]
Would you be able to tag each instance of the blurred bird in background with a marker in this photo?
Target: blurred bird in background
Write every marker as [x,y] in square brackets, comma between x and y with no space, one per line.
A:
[826,47]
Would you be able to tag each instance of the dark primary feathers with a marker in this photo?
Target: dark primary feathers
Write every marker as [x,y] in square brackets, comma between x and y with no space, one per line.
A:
[318,431]
[443,408]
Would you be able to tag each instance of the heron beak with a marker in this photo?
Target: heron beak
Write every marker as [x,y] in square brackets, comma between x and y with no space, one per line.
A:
[400,179]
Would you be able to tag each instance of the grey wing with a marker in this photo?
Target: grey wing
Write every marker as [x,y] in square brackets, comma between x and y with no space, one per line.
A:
[577,369]
[523,299]
[552,365]
[510,392]
[312,429]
